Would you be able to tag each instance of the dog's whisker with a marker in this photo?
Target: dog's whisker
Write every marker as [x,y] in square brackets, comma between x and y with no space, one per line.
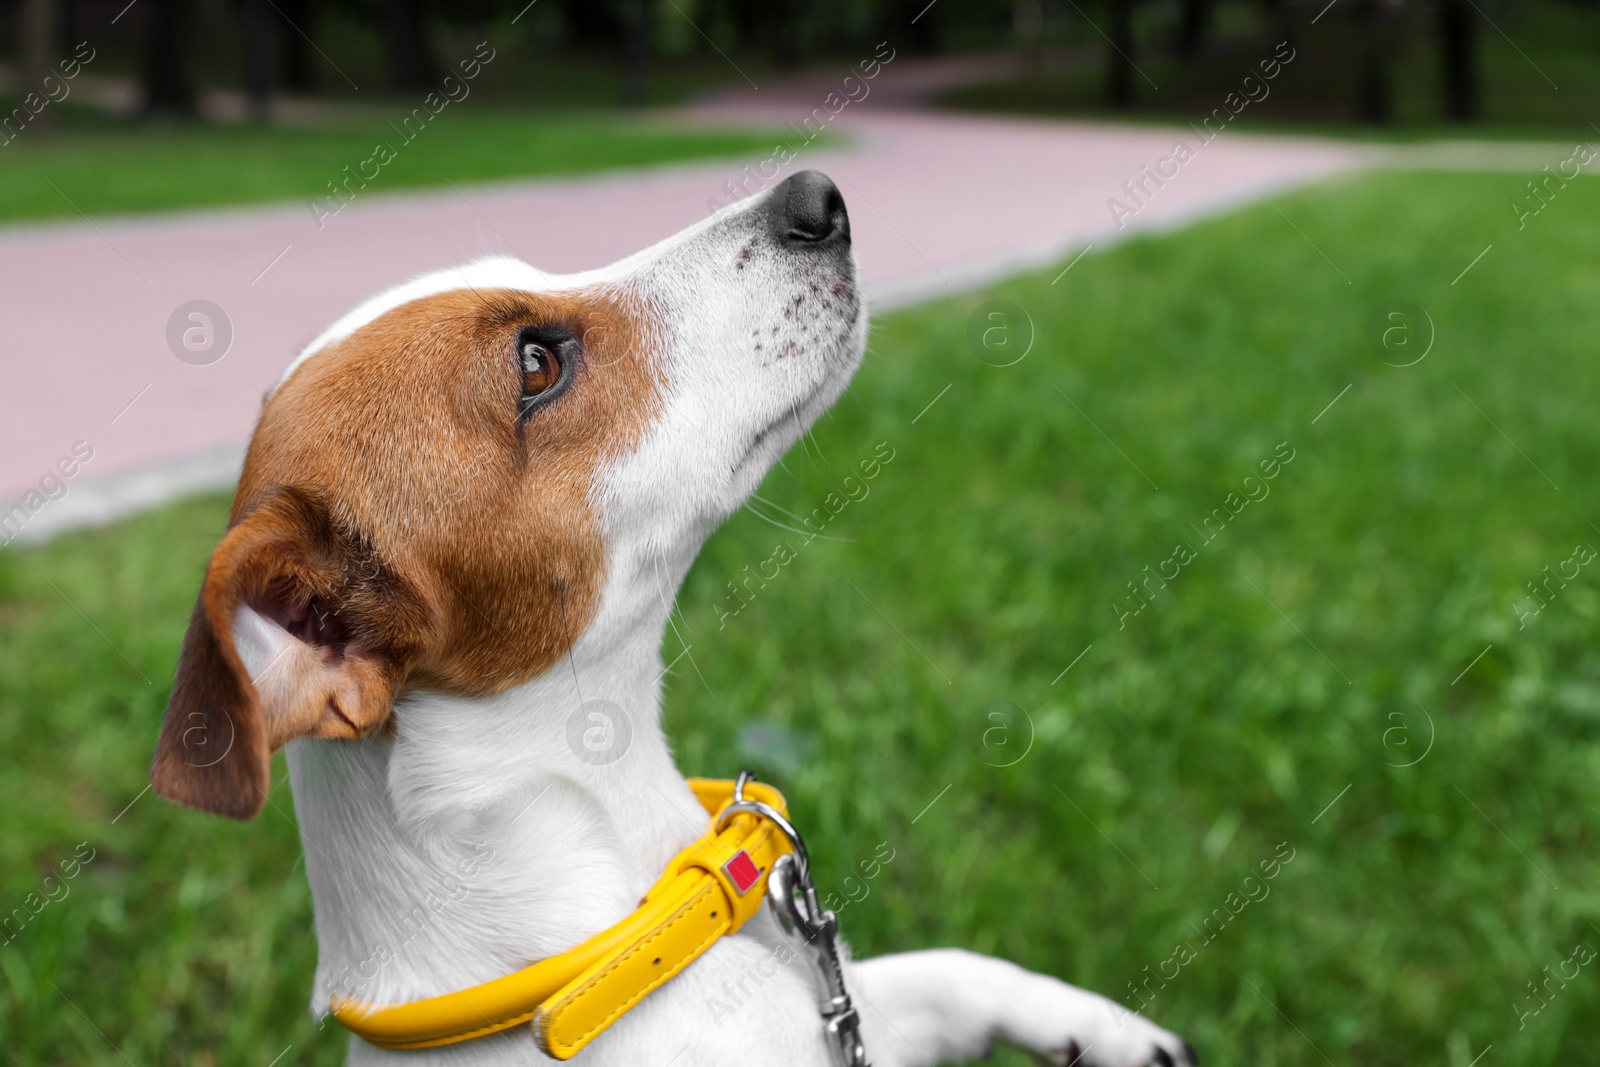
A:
[797,518]
[775,506]
[805,435]
[566,626]
[668,668]
[807,534]
[672,608]
[697,670]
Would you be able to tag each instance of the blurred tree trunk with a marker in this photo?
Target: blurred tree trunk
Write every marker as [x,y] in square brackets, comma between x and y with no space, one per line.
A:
[1279,21]
[1119,54]
[1374,98]
[744,15]
[635,52]
[785,34]
[168,75]
[411,62]
[927,33]
[259,23]
[66,27]
[589,23]
[1194,21]
[37,36]
[294,51]
[1027,31]
[1458,60]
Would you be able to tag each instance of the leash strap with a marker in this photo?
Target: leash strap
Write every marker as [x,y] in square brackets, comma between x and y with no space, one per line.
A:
[794,898]
[707,891]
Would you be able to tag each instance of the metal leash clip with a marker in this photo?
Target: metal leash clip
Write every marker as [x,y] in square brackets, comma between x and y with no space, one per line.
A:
[794,898]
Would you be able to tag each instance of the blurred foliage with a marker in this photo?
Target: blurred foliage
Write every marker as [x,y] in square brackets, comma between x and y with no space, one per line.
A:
[581,53]
[1540,77]
[1258,687]
[170,165]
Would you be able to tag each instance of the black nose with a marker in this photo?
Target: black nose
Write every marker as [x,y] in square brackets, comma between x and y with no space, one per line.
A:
[807,209]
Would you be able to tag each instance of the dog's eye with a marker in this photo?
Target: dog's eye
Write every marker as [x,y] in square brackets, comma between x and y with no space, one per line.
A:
[547,359]
[541,370]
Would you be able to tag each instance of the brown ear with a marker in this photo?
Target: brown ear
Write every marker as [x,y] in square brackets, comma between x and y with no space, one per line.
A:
[299,631]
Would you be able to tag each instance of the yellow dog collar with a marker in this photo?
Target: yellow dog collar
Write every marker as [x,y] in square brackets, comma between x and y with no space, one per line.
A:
[707,891]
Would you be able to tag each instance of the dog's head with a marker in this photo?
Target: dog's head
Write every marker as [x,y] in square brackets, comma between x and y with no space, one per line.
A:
[440,491]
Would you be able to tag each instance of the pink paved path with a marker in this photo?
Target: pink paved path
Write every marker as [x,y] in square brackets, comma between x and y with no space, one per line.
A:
[937,203]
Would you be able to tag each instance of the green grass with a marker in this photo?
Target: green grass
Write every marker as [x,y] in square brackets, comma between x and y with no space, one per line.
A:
[99,166]
[1538,81]
[1163,768]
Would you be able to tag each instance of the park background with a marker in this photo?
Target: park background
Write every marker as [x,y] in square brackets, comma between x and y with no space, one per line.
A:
[1373,661]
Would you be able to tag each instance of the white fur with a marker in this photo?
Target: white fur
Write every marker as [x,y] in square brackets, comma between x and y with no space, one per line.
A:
[475,840]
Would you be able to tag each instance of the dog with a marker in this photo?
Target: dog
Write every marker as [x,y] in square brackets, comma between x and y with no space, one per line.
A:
[463,516]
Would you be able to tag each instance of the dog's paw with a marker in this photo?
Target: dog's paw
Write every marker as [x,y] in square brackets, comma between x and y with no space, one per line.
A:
[1069,1027]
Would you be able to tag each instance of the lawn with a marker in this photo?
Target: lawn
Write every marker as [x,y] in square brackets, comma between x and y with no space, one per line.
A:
[1086,788]
[98,166]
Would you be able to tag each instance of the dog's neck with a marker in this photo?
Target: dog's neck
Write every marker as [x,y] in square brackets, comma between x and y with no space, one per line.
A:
[487,833]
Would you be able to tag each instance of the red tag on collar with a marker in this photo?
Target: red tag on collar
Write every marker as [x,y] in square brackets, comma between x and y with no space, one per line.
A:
[742,871]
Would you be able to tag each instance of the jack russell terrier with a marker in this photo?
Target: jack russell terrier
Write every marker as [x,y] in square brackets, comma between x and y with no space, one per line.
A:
[460,521]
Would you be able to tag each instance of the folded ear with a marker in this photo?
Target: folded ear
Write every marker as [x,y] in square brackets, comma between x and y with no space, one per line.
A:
[300,630]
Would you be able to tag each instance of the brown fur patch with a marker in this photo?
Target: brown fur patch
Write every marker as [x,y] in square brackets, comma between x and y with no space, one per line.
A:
[393,485]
